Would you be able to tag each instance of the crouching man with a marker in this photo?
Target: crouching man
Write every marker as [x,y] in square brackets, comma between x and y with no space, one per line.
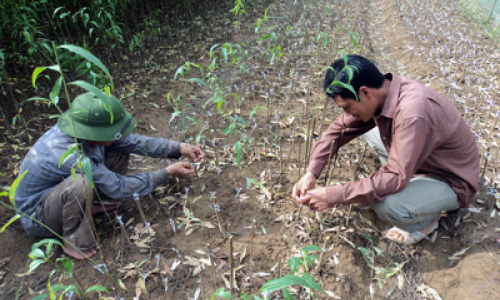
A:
[52,195]
[430,156]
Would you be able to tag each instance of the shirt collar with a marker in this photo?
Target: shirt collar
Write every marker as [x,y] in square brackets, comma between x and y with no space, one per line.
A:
[392,98]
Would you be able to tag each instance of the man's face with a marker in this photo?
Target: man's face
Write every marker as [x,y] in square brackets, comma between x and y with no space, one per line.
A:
[363,109]
[96,143]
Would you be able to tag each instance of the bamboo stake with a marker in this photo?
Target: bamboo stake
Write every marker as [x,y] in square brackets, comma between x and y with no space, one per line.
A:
[310,139]
[212,265]
[328,164]
[217,214]
[231,264]
[138,203]
[307,146]
[335,157]
[123,231]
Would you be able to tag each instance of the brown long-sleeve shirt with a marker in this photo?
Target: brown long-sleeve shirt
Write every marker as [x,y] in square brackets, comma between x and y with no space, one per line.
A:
[424,135]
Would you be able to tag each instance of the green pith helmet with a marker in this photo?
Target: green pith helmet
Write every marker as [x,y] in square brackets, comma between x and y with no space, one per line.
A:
[93,119]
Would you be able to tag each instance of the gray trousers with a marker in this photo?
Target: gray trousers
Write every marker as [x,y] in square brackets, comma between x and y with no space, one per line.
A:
[419,204]
[64,209]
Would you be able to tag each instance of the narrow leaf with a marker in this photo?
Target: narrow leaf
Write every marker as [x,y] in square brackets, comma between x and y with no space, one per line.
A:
[13,188]
[90,57]
[88,171]
[12,220]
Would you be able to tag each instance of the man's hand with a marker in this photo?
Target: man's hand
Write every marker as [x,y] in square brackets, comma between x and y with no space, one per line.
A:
[180,169]
[315,199]
[307,182]
[194,153]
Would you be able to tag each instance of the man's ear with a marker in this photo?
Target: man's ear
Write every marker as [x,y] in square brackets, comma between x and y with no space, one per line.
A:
[366,92]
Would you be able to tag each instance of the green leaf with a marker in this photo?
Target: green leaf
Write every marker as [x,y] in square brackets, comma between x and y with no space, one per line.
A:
[286,295]
[198,81]
[237,148]
[294,264]
[193,120]
[35,264]
[228,129]
[12,220]
[90,57]
[54,95]
[281,283]
[40,297]
[37,253]
[212,50]
[219,104]
[224,54]
[349,87]
[68,289]
[13,188]
[97,288]
[180,71]
[87,167]
[311,283]
[72,148]
[221,292]
[310,248]
[175,114]
[101,95]
[67,264]
[36,73]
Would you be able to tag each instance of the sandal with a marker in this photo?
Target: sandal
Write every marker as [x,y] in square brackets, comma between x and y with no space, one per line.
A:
[407,238]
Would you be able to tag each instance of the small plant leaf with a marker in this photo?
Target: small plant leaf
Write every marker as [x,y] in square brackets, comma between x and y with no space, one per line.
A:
[67,264]
[13,188]
[221,292]
[35,264]
[11,220]
[198,81]
[237,148]
[193,120]
[72,148]
[294,264]
[310,248]
[310,282]
[281,283]
[90,57]
[97,288]
[87,168]
[37,253]
[287,295]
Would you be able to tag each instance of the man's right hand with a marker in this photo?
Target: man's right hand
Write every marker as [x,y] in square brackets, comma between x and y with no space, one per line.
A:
[180,169]
[307,182]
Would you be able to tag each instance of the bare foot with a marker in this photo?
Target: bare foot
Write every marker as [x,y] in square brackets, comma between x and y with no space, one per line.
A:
[403,237]
[68,249]
[108,206]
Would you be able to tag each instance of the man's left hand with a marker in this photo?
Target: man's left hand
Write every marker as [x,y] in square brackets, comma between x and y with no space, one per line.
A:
[315,199]
[194,153]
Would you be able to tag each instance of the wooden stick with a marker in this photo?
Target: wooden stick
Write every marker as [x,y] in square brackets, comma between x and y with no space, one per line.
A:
[335,157]
[303,162]
[138,203]
[123,231]
[212,265]
[329,162]
[231,264]
[310,139]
